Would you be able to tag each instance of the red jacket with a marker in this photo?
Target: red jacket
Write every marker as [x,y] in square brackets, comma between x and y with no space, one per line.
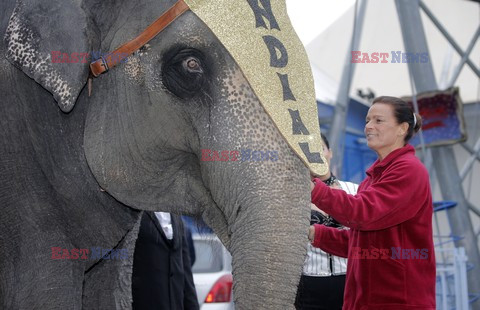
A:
[391,259]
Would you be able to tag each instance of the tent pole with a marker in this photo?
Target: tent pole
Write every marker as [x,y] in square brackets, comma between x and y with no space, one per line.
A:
[447,172]
[468,51]
[337,130]
[469,163]
[449,37]
[470,150]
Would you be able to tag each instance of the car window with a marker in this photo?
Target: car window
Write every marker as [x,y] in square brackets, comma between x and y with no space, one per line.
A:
[209,256]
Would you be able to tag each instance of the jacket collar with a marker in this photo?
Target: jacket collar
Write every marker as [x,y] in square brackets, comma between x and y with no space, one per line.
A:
[175,241]
[380,165]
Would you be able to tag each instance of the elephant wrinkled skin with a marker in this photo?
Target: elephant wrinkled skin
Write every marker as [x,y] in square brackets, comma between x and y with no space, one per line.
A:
[79,180]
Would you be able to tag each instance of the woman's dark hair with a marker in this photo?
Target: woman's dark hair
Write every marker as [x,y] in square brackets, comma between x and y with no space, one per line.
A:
[325,140]
[403,113]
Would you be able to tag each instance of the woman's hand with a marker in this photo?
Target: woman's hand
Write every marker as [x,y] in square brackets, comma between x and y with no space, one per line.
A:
[311,233]
[315,208]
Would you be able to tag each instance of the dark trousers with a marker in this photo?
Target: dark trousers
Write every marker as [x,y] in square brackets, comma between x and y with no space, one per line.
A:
[320,293]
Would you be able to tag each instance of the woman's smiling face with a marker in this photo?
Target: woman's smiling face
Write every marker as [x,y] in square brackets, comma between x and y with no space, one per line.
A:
[382,130]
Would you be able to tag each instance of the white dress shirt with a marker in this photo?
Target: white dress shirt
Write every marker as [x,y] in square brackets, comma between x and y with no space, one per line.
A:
[166,222]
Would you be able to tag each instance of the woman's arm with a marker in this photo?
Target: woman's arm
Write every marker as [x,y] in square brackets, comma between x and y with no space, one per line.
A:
[394,198]
[331,240]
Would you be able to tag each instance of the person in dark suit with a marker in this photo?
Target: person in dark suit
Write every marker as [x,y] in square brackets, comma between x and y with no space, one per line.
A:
[162,275]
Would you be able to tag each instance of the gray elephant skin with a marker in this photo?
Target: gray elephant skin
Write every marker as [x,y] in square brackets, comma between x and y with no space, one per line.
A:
[77,171]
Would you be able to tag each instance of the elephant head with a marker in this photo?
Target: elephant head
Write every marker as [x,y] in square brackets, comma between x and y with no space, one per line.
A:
[153,126]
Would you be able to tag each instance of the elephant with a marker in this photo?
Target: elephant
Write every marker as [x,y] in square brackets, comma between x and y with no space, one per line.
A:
[77,169]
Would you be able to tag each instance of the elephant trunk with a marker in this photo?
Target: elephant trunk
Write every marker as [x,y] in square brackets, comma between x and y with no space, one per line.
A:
[265,229]
[268,248]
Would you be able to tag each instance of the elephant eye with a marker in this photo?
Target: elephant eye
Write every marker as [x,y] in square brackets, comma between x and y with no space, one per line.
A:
[192,64]
[184,74]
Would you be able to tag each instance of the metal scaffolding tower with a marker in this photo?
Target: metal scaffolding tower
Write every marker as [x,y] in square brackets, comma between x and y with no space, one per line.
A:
[447,175]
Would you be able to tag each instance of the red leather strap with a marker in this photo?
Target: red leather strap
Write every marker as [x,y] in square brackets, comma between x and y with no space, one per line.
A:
[112,59]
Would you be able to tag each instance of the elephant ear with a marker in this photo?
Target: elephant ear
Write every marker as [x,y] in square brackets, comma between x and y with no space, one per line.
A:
[39,29]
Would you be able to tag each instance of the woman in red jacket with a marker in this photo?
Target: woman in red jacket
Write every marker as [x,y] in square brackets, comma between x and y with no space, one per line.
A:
[391,261]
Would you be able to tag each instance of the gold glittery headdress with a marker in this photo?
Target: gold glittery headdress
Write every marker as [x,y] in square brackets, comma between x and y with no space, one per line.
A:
[260,37]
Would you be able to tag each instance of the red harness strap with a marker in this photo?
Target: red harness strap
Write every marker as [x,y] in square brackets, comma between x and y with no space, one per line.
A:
[105,63]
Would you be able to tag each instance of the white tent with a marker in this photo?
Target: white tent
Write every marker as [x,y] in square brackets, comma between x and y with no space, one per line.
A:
[381,33]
